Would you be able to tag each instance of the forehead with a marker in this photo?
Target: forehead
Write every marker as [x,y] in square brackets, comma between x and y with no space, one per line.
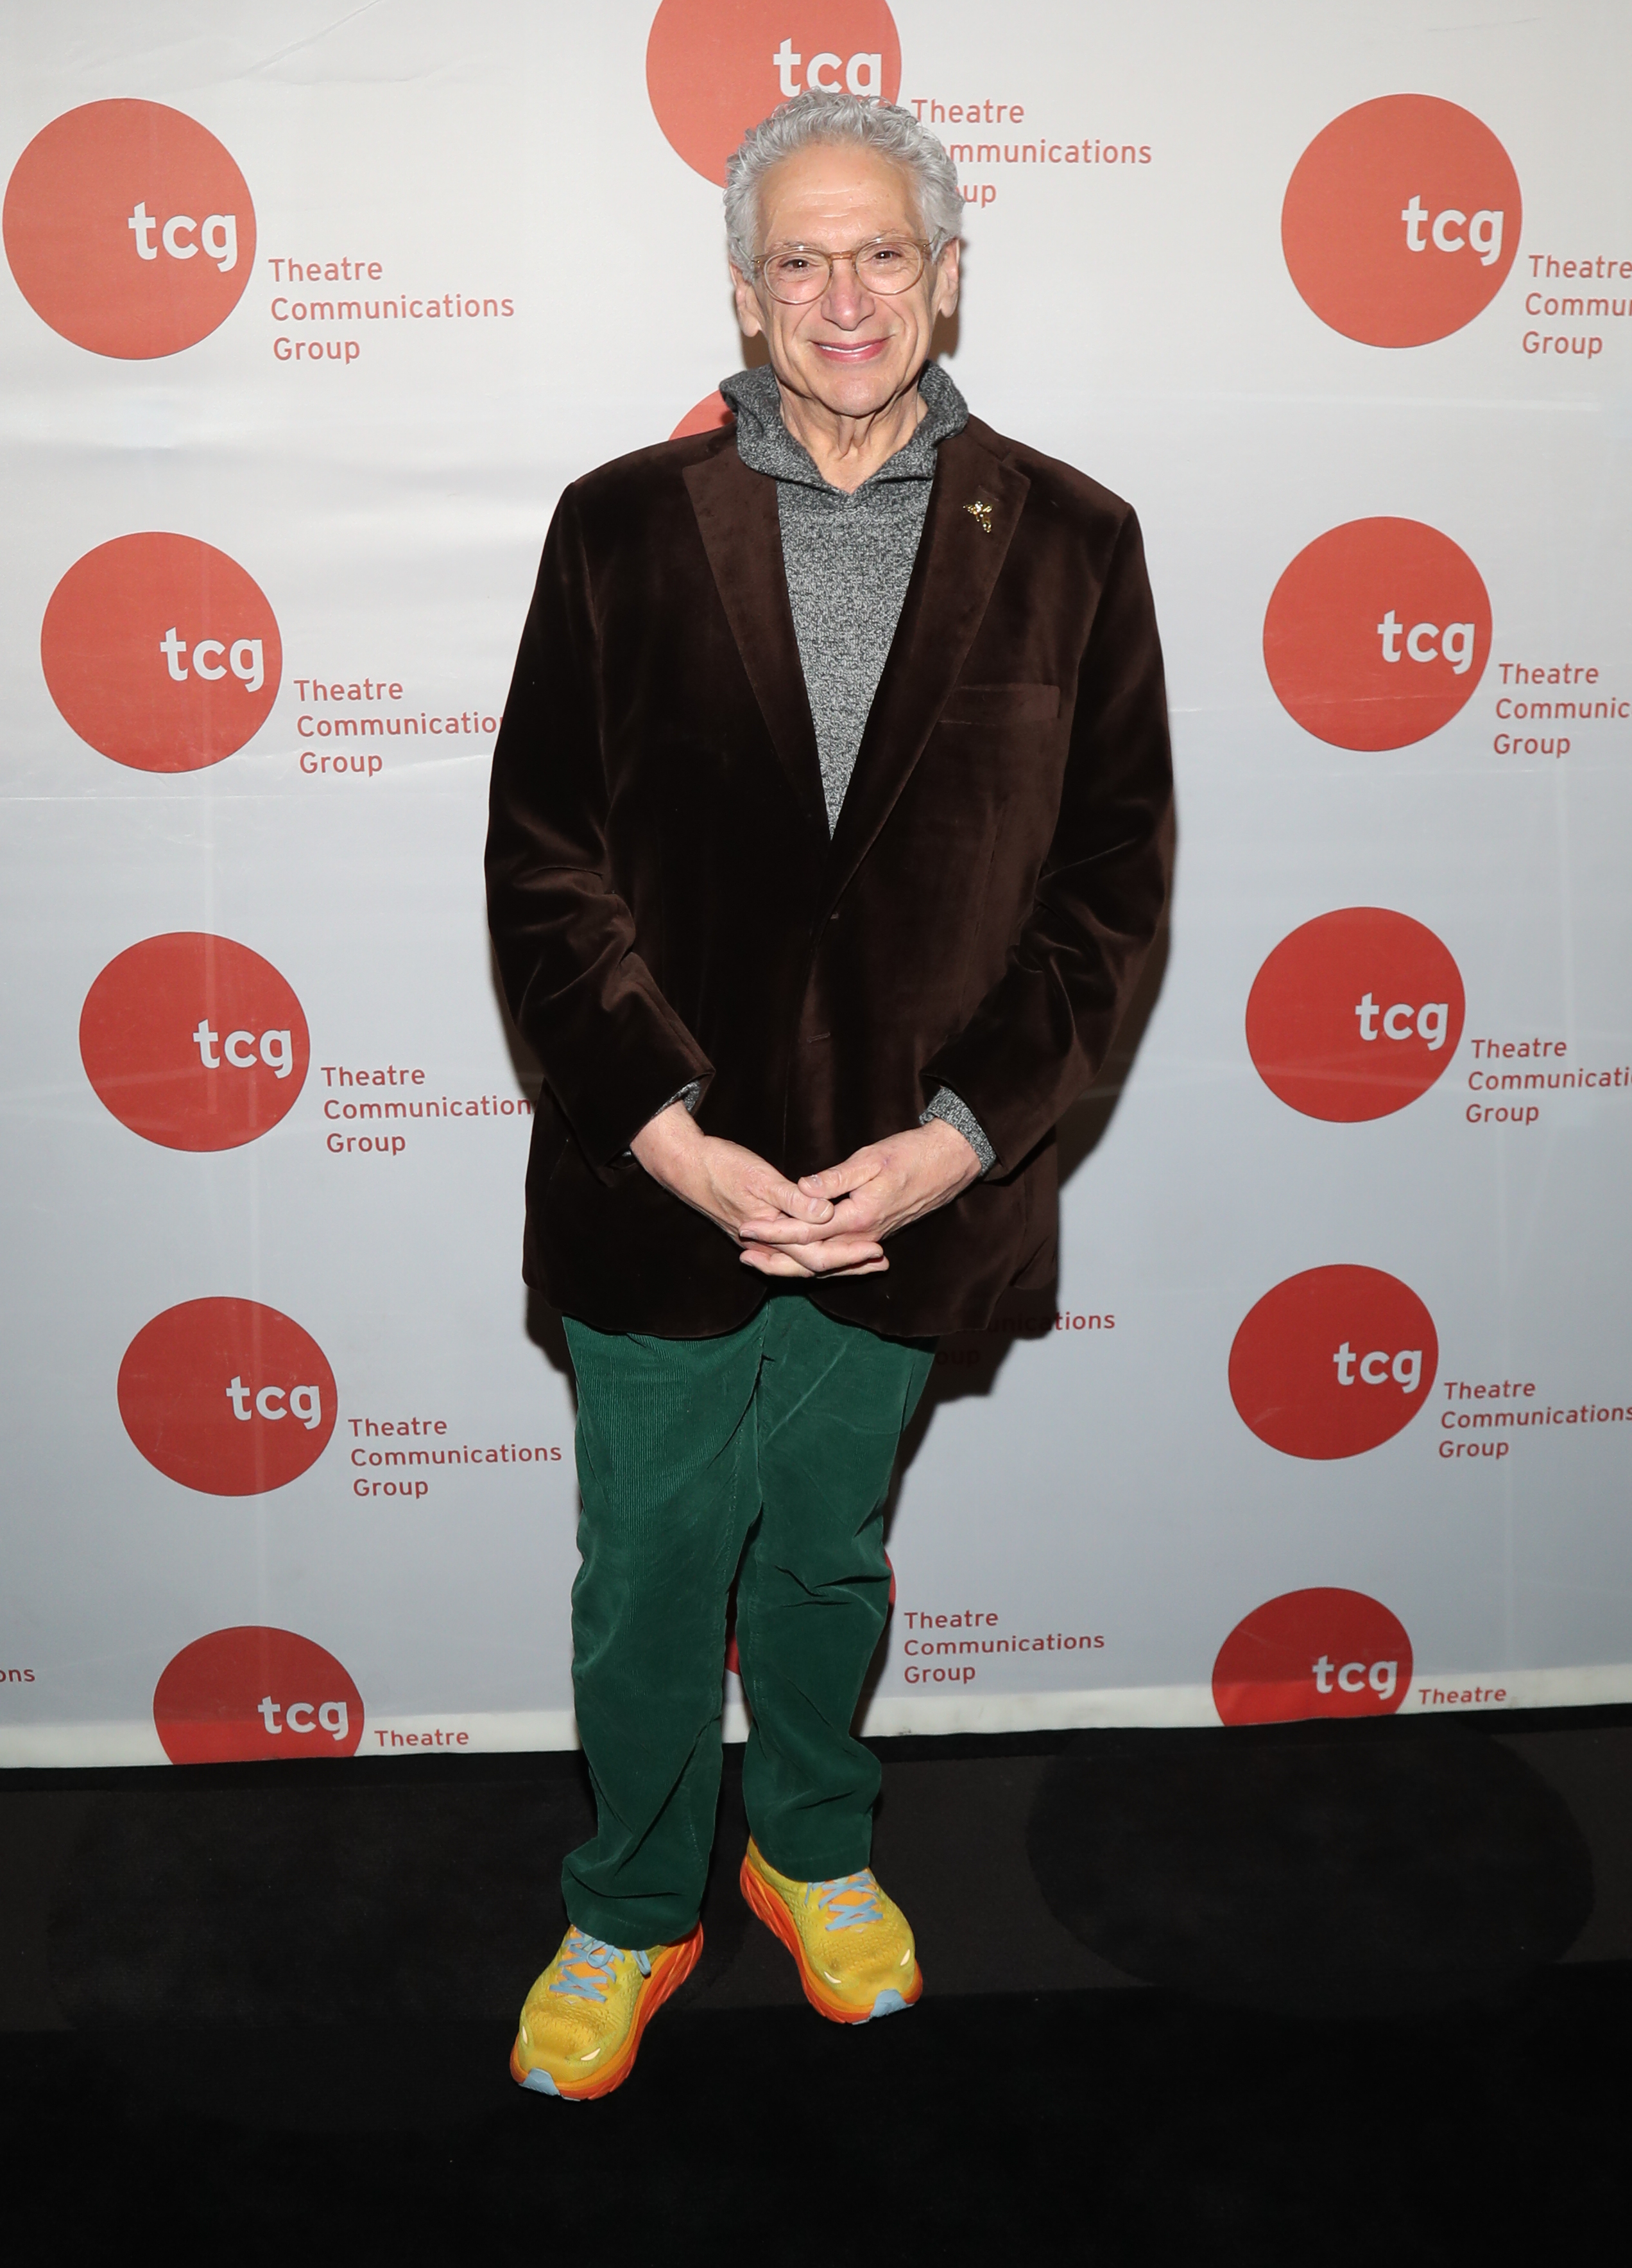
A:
[835,187]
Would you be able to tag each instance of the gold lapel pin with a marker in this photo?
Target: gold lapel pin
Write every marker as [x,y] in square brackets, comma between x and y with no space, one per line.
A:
[982,515]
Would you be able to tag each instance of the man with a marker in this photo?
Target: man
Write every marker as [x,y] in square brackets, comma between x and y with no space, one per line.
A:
[831,823]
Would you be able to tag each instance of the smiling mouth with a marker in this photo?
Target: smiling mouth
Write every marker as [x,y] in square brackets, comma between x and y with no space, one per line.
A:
[859,350]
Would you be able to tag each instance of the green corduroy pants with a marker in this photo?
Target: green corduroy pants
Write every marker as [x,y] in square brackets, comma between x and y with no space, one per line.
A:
[765,1457]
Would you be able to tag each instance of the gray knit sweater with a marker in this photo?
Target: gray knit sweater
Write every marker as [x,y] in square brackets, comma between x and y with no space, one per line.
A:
[848,559]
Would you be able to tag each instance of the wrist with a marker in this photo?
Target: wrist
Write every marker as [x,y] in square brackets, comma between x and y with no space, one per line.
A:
[665,1139]
[960,1155]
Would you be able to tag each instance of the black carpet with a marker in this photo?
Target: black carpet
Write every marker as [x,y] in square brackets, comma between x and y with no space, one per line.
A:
[1410,1874]
[1307,1993]
[1125,2128]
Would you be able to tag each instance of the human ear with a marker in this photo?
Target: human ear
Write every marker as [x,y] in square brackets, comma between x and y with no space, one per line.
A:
[946,281]
[748,317]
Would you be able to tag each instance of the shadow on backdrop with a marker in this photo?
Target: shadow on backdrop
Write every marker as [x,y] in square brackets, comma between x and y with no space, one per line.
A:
[967,1362]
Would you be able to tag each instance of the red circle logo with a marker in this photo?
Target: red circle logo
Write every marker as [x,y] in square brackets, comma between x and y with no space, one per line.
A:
[1312,1653]
[714,67]
[161,652]
[227,1397]
[705,416]
[129,229]
[1355,1014]
[254,1696]
[1402,220]
[1334,1362]
[194,1041]
[1377,634]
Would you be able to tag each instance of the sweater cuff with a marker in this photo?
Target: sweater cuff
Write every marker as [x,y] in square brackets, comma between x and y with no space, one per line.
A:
[957,1113]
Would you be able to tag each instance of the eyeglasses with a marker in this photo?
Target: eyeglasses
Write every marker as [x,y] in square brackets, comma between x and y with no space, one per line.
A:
[797,273]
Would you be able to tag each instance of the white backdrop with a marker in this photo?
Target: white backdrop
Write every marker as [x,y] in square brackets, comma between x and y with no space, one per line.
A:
[1139,318]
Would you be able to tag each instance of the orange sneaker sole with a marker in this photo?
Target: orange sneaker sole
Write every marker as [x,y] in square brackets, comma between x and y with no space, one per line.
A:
[669,1972]
[764,1901]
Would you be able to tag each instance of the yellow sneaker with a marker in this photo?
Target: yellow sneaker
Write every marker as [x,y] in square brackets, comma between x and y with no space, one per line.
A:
[853,1944]
[581,2022]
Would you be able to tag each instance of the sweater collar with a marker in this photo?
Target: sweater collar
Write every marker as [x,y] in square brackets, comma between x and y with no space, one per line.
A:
[765,445]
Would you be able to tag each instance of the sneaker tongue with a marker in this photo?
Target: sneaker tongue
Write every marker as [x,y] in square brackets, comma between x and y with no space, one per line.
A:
[584,1943]
[849,1901]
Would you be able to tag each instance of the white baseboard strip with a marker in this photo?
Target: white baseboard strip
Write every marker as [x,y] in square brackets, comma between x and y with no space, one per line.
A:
[1430,1693]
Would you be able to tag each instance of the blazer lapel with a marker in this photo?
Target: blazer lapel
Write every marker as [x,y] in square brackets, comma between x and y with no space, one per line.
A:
[961,555]
[741,533]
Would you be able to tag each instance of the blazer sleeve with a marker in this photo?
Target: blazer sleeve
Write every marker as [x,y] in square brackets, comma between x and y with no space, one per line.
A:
[1036,1041]
[613,1049]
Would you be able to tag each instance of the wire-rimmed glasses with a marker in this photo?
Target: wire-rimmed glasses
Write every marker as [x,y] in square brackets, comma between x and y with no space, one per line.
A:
[797,273]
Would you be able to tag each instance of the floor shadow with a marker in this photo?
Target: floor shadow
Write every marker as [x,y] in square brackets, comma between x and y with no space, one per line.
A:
[1125,2128]
[277,1899]
[1359,1871]
[403,1906]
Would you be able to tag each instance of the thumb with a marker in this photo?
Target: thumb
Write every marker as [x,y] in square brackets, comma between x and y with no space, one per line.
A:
[800,1202]
[839,1180]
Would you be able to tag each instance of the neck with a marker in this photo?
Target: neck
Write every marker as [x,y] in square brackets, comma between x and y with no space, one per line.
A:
[847,450]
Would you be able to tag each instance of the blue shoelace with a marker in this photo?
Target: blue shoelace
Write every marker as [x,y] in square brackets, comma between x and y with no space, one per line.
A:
[849,1901]
[584,1965]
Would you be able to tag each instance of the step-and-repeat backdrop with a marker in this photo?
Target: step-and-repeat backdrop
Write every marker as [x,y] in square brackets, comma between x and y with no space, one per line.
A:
[309,316]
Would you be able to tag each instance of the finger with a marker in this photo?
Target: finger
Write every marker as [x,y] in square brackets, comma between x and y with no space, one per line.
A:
[766,1260]
[813,1259]
[831,1259]
[743,1178]
[838,1181]
[860,1215]
[778,1228]
[797,1204]
[764,1227]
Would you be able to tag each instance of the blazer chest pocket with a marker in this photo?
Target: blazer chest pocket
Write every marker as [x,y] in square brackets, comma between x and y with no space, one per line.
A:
[997,705]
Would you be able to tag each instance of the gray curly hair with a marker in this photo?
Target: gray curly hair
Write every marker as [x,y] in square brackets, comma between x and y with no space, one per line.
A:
[838,119]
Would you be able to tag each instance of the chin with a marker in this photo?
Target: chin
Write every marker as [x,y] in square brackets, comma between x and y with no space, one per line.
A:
[854,393]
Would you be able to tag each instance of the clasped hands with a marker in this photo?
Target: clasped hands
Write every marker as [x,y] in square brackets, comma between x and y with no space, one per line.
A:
[833,1223]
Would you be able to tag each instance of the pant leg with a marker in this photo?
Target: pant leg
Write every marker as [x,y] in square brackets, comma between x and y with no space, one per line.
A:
[665,1458]
[813,1590]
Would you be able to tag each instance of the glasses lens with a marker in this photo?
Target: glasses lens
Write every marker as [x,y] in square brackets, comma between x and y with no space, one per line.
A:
[796,276]
[889,266]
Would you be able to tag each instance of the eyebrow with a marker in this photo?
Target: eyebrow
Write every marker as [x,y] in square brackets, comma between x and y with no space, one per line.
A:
[880,236]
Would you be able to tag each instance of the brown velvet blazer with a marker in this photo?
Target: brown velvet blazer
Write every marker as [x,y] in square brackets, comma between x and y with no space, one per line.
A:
[667,906]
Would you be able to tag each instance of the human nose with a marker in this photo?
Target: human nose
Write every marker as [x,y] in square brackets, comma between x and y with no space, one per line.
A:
[846,301]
